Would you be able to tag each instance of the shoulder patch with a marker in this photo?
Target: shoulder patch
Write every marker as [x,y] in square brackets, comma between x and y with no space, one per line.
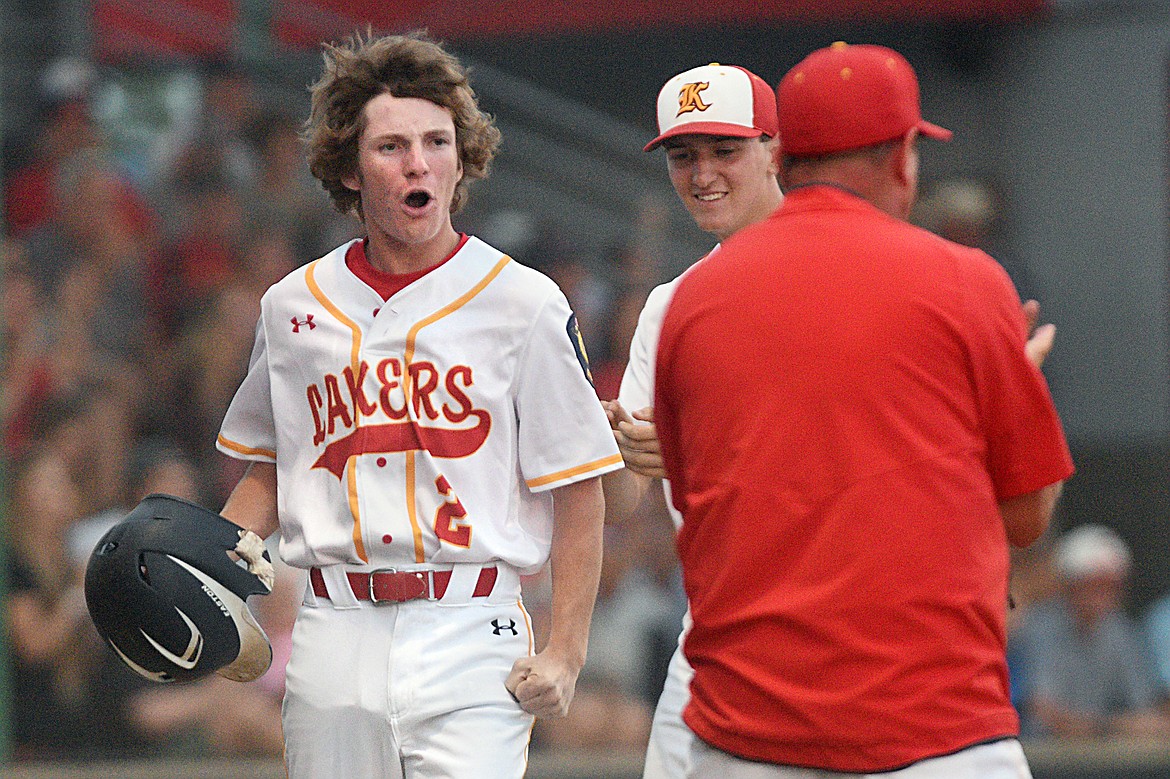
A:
[578,346]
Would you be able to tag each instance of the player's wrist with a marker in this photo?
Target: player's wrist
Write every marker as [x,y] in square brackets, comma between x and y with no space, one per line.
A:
[569,653]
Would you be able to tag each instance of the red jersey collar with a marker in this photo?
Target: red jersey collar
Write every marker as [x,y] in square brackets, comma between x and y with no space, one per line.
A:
[387,284]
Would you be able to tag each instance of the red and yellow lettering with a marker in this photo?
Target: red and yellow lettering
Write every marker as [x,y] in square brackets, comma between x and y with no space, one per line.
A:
[457,394]
[424,387]
[337,408]
[389,384]
[446,526]
[316,404]
[362,406]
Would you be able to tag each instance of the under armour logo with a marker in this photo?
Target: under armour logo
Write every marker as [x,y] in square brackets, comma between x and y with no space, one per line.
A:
[497,628]
[690,99]
[298,324]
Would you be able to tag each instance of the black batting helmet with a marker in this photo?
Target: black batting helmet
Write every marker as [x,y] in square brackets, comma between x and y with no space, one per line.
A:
[164,594]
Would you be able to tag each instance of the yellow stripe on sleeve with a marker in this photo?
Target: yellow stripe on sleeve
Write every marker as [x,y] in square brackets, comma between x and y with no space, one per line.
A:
[241,449]
[565,474]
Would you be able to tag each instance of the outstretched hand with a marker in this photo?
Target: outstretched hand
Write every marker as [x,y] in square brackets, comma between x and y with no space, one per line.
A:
[638,443]
[1040,338]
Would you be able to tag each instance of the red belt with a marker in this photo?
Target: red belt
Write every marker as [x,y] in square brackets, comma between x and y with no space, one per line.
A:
[395,586]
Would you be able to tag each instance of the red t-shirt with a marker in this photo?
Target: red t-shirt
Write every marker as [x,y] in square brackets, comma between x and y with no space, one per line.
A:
[843,400]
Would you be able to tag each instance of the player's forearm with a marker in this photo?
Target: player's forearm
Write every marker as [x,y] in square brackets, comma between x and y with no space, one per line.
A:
[624,491]
[1025,518]
[575,561]
[252,504]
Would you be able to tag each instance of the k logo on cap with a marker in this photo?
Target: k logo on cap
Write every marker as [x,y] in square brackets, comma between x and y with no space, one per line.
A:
[715,100]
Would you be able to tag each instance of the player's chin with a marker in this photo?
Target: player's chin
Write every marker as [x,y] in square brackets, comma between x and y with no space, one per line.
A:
[419,230]
[710,220]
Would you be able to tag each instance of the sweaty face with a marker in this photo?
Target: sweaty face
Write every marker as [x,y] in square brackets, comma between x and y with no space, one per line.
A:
[725,183]
[408,167]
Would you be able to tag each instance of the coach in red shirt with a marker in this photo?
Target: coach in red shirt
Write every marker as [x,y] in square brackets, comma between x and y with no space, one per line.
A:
[854,435]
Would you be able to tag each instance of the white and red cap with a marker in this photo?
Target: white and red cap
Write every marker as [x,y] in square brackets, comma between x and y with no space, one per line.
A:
[716,100]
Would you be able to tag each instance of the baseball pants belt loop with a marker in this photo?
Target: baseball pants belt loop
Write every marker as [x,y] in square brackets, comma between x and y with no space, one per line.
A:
[389,585]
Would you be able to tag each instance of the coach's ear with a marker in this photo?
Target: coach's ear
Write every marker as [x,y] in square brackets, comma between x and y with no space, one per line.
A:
[905,160]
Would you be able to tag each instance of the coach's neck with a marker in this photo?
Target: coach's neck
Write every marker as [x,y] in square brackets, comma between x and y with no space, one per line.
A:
[885,174]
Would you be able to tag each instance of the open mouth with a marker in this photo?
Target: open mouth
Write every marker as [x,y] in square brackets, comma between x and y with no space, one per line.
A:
[418,199]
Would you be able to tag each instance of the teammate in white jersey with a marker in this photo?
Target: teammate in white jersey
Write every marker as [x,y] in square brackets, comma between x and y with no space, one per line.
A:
[422,431]
[718,125]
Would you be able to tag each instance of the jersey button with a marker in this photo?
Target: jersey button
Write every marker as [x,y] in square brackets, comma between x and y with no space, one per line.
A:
[381,461]
[386,539]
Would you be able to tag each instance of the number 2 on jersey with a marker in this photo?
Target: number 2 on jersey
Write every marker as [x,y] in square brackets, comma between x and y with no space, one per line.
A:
[447,526]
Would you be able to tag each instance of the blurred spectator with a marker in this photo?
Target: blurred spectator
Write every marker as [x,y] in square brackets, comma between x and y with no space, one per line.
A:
[92,257]
[603,717]
[209,354]
[204,254]
[1157,625]
[269,255]
[216,146]
[202,178]
[618,330]
[589,295]
[633,608]
[90,426]
[967,211]
[70,693]
[658,560]
[1088,666]
[155,464]
[1034,580]
[961,210]
[210,717]
[286,194]
[50,362]
[641,262]
[210,361]
[66,127]
[26,368]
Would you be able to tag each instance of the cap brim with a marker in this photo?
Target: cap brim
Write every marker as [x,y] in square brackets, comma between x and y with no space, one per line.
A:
[931,130]
[705,128]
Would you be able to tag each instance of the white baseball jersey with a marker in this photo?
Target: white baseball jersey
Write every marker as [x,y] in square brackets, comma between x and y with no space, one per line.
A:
[426,428]
[637,388]
[670,738]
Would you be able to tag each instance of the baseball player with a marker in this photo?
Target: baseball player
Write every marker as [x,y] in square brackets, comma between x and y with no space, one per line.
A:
[718,126]
[423,431]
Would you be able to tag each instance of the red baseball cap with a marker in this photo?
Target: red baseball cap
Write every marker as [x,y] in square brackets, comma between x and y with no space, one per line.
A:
[848,96]
[715,100]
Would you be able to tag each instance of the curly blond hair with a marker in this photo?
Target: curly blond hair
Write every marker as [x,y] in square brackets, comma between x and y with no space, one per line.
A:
[410,65]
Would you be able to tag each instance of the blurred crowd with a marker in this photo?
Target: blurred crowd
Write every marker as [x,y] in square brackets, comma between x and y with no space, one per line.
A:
[128,314]
[129,307]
